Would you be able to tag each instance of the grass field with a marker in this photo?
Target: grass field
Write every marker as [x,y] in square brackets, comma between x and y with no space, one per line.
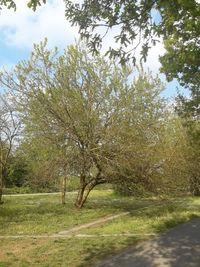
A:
[39,215]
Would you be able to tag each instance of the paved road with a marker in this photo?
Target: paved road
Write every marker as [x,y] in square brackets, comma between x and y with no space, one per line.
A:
[179,247]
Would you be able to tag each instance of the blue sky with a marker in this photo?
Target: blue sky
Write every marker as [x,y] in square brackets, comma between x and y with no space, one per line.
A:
[20,29]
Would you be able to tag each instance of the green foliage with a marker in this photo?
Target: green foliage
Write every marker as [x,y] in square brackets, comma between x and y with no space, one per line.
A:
[131,188]
[34,3]
[9,130]
[84,117]
[177,22]
[41,164]
[17,190]
[8,3]
[181,59]
[17,171]
[188,109]
[71,103]
[160,167]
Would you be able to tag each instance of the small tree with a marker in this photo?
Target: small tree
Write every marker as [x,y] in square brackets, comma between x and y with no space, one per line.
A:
[9,129]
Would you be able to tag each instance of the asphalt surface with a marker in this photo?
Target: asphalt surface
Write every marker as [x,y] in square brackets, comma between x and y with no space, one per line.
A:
[179,247]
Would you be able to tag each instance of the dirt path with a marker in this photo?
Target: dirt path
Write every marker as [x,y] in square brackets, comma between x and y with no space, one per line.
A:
[72,231]
[179,247]
[91,224]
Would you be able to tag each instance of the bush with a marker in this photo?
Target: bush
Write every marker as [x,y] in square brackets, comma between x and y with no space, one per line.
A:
[73,183]
[131,189]
[17,190]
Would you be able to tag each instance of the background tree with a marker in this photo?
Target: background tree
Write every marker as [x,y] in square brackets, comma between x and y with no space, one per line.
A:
[173,151]
[17,171]
[138,137]
[9,129]
[46,162]
[154,149]
[188,109]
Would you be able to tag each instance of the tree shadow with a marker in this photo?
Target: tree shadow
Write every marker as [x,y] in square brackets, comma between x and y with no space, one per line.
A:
[121,204]
[97,252]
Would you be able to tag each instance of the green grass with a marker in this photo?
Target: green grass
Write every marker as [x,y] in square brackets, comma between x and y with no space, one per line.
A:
[157,218]
[26,215]
[44,214]
[22,215]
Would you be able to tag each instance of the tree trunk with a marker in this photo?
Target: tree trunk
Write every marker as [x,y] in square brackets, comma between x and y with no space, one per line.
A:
[1,195]
[195,189]
[63,192]
[80,196]
[1,184]
[83,194]
[1,189]
[195,186]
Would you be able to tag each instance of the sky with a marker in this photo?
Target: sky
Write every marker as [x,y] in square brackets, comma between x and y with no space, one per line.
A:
[21,29]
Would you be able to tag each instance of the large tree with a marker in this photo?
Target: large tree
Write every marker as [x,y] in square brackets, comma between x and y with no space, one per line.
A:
[144,22]
[72,98]
[90,109]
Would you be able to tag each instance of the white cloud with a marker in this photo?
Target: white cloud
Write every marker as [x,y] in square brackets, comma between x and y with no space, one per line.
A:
[25,27]
[152,62]
[153,57]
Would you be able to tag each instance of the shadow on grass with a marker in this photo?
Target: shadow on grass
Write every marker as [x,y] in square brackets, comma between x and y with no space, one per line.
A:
[175,246]
[22,208]
[97,252]
[24,211]
[121,204]
[179,247]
